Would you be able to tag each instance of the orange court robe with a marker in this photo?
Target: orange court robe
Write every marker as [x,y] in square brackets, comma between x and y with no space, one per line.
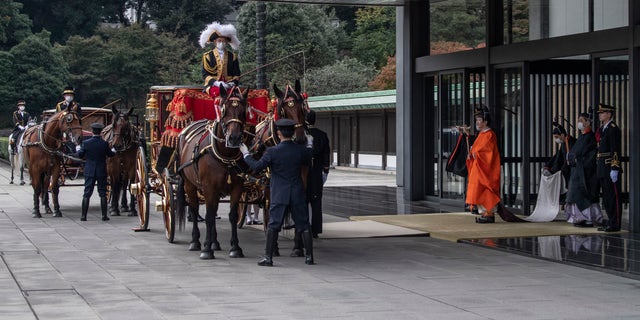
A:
[484,171]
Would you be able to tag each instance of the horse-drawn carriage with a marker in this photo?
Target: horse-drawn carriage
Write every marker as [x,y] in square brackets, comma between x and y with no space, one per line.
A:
[194,156]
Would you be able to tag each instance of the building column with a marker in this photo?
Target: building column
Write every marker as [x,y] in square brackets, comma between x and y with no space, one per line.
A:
[414,139]
[634,116]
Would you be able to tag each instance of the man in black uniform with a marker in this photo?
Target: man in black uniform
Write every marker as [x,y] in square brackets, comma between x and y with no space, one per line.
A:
[320,162]
[287,189]
[95,151]
[608,166]
[20,119]
[69,95]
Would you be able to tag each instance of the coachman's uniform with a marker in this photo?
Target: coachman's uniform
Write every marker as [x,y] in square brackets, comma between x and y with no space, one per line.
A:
[95,152]
[608,158]
[72,105]
[219,64]
[20,119]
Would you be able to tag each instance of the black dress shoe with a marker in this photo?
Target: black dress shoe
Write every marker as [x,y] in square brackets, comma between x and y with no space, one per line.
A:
[609,229]
[475,211]
[485,219]
[583,224]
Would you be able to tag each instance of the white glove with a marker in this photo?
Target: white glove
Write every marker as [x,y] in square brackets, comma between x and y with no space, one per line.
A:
[244,150]
[309,141]
[217,83]
[78,148]
[614,175]
[21,127]
[546,173]
[324,177]
[226,85]
[113,150]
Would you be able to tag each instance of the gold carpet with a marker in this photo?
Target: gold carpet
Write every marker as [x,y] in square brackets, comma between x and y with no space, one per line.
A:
[357,229]
[458,226]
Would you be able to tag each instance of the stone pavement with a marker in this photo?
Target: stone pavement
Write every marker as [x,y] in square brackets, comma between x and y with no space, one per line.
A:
[60,268]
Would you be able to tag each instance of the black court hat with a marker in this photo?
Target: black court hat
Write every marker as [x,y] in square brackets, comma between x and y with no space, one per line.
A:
[285,123]
[97,127]
[605,108]
[68,90]
[21,102]
[559,129]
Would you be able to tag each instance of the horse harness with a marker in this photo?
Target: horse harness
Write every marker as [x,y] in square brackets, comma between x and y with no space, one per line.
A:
[68,116]
[206,132]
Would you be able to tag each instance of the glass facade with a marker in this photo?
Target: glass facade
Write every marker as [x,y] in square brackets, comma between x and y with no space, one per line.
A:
[526,20]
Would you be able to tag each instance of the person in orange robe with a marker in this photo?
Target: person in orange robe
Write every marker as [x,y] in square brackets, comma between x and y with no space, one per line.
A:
[483,165]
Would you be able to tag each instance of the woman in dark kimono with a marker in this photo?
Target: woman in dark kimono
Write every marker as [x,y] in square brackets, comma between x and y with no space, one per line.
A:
[582,205]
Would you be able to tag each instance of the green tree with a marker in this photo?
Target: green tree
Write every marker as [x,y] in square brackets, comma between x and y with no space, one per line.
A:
[86,67]
[39,73]
[345,76]
[64,18]
[187,18]
[289,29]
[460,21]
[7,90]
[375,38]
[14,26]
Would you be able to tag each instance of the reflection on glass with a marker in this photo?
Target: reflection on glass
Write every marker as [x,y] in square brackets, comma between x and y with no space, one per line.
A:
[609,14]
[457,25]
[451,115]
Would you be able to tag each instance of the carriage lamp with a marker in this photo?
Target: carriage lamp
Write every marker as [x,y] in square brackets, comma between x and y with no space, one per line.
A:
[152,108]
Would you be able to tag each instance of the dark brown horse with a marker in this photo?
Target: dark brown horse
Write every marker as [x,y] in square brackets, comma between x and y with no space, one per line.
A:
[291,105]
[210,164]
[44,145]
[121,168]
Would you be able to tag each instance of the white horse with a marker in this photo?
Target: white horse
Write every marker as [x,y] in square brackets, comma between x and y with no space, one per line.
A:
[17,159]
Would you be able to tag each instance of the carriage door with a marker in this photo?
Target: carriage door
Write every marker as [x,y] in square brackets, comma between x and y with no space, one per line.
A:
[458,92]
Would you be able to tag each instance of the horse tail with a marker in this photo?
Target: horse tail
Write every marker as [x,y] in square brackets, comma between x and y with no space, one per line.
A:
[181,204]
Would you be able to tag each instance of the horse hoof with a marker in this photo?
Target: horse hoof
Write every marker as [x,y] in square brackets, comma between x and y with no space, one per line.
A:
[22,183]
[115,214]
[11,182]
[36,215]
[47,210]
[206,255]
[195,246]
[216,246]
[57,214]
[132,214]
[236,253]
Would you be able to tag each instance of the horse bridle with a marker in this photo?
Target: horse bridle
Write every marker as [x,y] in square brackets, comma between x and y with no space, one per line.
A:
[289,98]
[126,143]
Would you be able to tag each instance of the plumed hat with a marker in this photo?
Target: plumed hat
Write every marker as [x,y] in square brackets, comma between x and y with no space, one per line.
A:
[68,90]
[216,30]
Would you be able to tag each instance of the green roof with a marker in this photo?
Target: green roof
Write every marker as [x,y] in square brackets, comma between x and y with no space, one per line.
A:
[354,101]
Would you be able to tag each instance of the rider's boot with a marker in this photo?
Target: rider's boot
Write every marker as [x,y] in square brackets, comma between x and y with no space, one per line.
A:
[297,245]
[103,207]
[85,208]
[272,238]
[307,238]
[12,143]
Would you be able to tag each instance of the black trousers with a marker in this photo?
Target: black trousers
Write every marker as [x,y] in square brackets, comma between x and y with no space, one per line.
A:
[299,214]
[316,214]
[612,201]
[89,182]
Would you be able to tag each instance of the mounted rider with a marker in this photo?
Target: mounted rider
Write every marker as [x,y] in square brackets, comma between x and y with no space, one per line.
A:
[220,67]
[20,119]
[69,95]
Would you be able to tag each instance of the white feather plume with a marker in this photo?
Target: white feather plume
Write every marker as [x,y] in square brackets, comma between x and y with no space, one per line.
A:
[225,30]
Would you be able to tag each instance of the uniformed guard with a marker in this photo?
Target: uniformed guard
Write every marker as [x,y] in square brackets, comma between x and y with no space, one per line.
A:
[220,67]
[20,119]
[69,95]
[608,166]
[95,152]
[287,190]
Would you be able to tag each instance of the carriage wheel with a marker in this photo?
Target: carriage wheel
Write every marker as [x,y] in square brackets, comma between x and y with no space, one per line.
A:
[168,205]
[142,193]
[242,209]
